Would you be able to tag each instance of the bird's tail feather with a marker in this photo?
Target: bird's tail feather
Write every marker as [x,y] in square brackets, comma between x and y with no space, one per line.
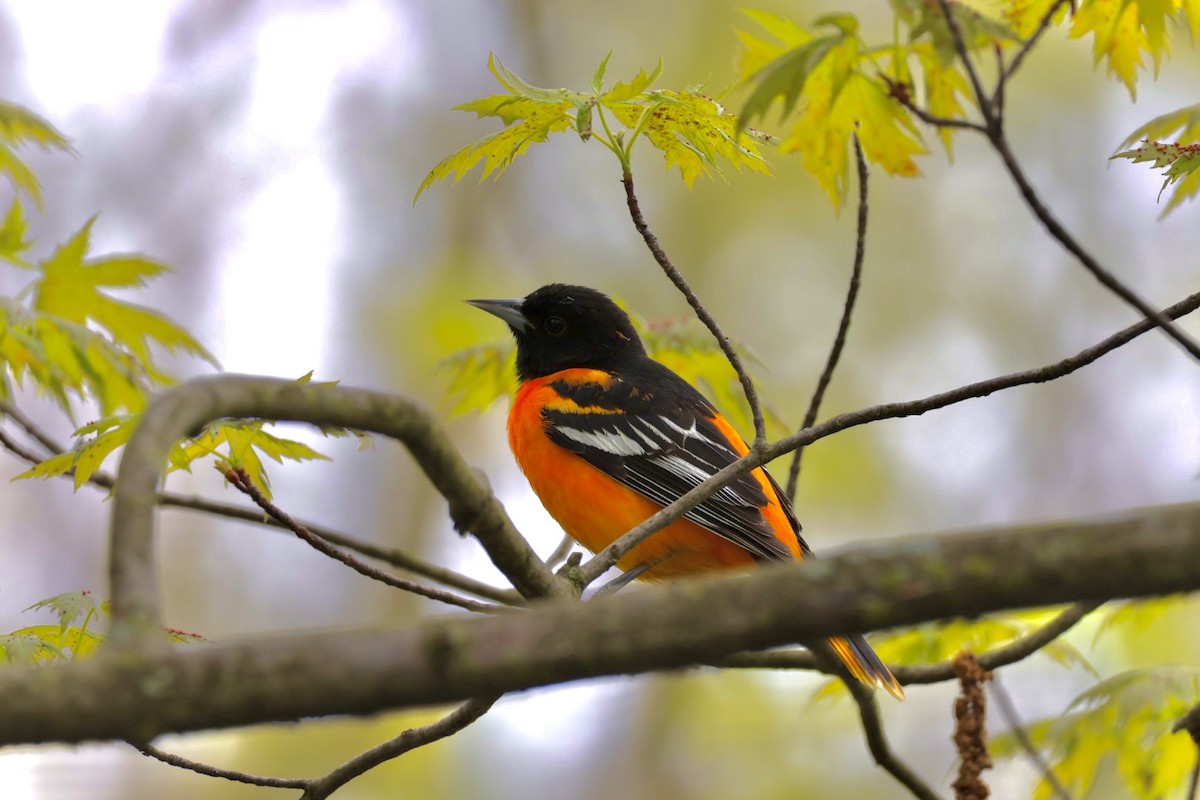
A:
[863,664]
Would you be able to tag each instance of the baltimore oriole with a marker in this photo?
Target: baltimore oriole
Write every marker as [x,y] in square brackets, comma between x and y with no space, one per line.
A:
[607,436]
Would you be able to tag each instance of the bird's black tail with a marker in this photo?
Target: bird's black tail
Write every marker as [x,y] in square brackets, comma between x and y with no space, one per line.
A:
[863,664]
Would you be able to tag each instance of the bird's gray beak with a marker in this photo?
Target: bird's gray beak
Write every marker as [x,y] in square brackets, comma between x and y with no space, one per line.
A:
[507,310]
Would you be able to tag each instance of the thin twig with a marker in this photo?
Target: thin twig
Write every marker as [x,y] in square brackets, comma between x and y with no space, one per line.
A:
[615,551]
[455,721]
[241,481]
[30,427]
[391,556]
[1009,711]
[872,723]
[1019,57]
[16,448]
[216,772]
[839,341]
[917,674]
[994,130]
[960,43]
[639,222]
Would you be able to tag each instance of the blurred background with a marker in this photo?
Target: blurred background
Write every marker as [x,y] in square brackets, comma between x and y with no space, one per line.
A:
[270,151]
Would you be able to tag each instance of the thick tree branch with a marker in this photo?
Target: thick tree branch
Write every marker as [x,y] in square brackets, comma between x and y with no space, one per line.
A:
[134,590]
[136,696]
[613,553]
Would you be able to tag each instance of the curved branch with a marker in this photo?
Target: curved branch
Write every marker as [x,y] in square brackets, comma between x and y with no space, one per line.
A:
[639,222]
[134,590]
[839,340]
[392,556]
[994,130]
[1009,711]
[411,739]
[119,694]
[756,458]
[872,723]
[201,768]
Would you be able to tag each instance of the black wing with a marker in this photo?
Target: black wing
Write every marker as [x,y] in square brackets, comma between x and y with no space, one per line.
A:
[663,447]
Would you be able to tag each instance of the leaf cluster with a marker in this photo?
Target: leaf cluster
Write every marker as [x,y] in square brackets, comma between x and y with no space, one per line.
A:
[693,131]
[69,336]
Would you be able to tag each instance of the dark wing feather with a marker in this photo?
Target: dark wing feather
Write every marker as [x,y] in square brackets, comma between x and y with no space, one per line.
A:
[663,453]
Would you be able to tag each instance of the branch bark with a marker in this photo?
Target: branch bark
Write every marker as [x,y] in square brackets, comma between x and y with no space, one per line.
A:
[119,694]
[134,590]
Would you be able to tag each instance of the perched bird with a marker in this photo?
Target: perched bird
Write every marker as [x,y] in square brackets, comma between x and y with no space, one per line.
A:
[607,436]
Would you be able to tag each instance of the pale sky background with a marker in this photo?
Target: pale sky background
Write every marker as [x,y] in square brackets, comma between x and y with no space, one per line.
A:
[257,214]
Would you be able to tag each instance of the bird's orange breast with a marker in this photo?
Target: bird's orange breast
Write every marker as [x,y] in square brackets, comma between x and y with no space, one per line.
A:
[595,509]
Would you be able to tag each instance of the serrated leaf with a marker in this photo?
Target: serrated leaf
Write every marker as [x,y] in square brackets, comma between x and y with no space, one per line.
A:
[528,122]
[944,86]
[1117,37]
[1179,158]
[627,90]
[12,235]
[1024,16]
[24,648]
[66,359]
[69,607]
[693,132]
[18,127]
[784,79]
[1127,717]
[70,288]
[978,31]
[841,102]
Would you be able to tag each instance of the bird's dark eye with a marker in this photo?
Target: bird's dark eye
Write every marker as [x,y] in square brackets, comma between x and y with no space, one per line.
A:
[555,326]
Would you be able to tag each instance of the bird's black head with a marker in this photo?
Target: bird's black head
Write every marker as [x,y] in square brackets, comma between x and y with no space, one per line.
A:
[559,327]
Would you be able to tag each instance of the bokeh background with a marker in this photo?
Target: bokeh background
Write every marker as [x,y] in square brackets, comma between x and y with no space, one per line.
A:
[270,151]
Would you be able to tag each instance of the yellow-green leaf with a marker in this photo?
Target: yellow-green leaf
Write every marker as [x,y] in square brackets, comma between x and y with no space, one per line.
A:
[12,235]
[70,288]
[18,127]
[694,133]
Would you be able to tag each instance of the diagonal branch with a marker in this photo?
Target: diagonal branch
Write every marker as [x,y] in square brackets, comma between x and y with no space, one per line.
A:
[1009,711]
[872,724]
[241,481]
[994,130]
[839,340]
[201,768]
[411,739]
[611,554]
[660,255]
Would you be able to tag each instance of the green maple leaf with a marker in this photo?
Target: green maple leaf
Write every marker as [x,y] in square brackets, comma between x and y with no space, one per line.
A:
[1179,160]
[12,235]
[70,606]
[693,131]
[19,127]
[70,288]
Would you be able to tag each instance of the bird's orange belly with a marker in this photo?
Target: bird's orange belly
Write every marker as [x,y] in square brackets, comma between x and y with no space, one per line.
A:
[595,509]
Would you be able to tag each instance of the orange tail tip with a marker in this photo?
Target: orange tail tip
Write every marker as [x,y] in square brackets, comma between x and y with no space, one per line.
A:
[863,664]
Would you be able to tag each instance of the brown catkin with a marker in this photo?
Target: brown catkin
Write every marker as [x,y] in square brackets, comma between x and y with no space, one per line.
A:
[970,728]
